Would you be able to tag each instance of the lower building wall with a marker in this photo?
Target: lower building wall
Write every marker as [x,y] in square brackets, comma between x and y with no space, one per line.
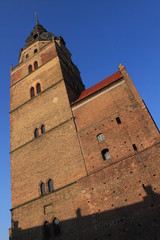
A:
[121,201]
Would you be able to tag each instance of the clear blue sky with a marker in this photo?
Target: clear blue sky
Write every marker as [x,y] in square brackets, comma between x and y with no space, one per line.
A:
[100,34]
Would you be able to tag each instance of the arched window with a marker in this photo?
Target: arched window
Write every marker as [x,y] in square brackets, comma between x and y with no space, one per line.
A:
[47,232]
[106,154]
[27,55]
[38,88]
[30,68]
[42,186]
[35,65]
[100,137]
[36,133]
[50,185]
[35,50]
[42,129]
[32,94]
[56,227]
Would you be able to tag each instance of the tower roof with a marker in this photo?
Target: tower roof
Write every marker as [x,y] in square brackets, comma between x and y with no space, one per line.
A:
[38,33]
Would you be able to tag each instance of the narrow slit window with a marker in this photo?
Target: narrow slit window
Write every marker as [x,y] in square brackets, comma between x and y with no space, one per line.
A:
[134,147]
[35,65]
[42,129]
[38,88]
[42,186]
[36,133]
[118,120]
[56,227]
[32,94]
[30,68]
[47,232]
[100,137]
[106,154]
[50,185]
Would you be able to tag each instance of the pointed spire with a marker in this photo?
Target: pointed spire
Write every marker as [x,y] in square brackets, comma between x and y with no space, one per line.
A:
[37,22]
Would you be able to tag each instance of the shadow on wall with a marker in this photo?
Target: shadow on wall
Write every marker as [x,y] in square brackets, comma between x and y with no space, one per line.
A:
[138,221]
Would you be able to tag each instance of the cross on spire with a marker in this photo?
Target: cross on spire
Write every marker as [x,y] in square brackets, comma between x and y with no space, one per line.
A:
[37,22]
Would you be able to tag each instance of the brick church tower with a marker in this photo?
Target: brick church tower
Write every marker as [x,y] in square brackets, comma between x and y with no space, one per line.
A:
[85,164]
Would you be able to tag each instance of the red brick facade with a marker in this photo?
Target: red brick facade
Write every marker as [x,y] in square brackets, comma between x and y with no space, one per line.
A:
[93,197]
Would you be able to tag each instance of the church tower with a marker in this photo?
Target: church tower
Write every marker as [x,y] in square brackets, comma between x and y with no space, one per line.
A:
[85,164]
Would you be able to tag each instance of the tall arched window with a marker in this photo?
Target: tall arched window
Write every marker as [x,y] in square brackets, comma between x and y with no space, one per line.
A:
[35,50]
[50,185]
[36,133]
[30,68]
[42,186]
[32,94]
[38,88]
[35,65]
[56,227]
[100,137]
[47,232]
[106,154]
[42,129]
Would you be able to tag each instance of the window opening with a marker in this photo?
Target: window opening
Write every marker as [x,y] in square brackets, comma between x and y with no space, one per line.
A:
[134,147]
[42,186]
[56,227]
[35,65]
[50,185]
[42,129]
[35,51]
[36,133]
[47,232]
[30,68]
[38,88]
[32,94]
[27,55]
[106,154]
[100,137]
[118,120]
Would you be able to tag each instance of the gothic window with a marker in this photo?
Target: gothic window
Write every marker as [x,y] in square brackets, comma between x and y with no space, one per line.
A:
[47,232]
[38,88]
[50,185]
[42,129]
[35,50]
[56,227]
[100,137]
[35,65]
[30,68]
[134,147]
[32,94]
[36,133]
[106,154]
[118,120]
[42,186]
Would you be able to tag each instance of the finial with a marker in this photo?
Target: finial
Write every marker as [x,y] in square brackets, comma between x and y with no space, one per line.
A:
[37,22]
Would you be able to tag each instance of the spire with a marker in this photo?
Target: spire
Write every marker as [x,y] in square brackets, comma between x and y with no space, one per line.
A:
[37,22]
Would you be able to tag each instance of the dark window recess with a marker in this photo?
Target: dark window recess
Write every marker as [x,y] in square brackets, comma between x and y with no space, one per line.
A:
[106,154]
[50,185]
[35,65]
[56,227]
[42,186]
[118,120]
[32,94]
[134,147]
[36,133]
[35,50]
[47,232]
[38,88]
[100,137]
[30,68]
[27,55]
[42,129]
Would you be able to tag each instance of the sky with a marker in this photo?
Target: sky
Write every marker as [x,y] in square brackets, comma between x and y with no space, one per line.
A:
[100,34]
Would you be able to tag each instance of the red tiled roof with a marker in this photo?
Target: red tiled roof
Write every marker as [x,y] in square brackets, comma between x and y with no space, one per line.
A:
[104,83]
